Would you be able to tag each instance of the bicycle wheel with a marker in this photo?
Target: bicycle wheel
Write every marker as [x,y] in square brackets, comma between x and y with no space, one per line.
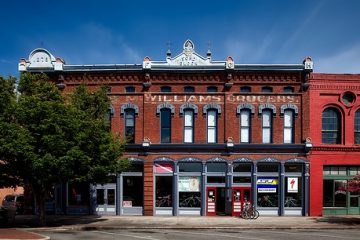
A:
[255,214]
[244,215]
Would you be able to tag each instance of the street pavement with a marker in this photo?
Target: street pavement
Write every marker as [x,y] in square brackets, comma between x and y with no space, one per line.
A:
[27,223]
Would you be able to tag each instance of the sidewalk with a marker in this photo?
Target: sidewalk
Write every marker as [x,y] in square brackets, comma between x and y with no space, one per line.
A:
[13,233]
[29,223]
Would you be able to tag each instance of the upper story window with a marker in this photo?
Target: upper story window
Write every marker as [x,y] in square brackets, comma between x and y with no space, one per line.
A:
[245,89]
[266,89]
[245,124]
[267,126]
[212,126]
[108,118]
[130,89]
[357,127]
[165,125]
[289,126]
[130,125]
[212,89]
[165,89]
[289,89]
[108,89]
[188,125]
[331,132]
[189,89]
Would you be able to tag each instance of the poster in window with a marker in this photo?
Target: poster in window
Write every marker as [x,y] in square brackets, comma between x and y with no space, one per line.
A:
[267,185]
[189,184]
[292,184]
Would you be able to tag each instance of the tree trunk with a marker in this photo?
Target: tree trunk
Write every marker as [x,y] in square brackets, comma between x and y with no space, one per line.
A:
[40,196]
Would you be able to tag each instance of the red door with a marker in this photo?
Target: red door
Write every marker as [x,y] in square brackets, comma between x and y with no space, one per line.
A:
[240,195]
[211,201]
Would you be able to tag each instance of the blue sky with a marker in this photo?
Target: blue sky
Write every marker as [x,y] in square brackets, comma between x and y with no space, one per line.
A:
[257,31]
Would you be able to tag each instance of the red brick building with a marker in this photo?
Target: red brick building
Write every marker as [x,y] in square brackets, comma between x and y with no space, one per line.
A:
[335,131]
[203,136]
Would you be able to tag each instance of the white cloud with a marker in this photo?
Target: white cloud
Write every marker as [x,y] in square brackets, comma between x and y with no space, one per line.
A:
[347,61]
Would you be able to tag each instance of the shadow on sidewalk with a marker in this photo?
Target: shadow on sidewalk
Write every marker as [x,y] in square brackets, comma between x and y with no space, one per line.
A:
[345,220]
[32,221]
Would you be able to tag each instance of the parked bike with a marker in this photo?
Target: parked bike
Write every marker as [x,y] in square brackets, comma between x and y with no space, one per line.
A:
[249,211]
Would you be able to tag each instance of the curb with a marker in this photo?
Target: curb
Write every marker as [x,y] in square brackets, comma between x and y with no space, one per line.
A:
[93,228]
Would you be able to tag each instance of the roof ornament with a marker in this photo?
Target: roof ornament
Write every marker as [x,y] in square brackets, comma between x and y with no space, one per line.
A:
[188,47]
[168,52]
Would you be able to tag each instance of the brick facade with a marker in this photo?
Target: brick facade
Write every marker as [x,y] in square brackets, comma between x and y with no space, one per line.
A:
[191,69]
[326,90]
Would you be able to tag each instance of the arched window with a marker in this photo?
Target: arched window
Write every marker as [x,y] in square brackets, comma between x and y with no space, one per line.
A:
[267,126]
[188,125]
[245,124]
[331,133]
[212,126]
[357,127]
[130,125]
[165,118]
[108,118]
[289,126]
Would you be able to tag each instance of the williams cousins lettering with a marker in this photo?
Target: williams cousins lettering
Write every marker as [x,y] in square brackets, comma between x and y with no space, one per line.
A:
[153,98]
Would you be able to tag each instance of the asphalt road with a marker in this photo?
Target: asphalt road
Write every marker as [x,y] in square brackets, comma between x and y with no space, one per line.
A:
[162,234]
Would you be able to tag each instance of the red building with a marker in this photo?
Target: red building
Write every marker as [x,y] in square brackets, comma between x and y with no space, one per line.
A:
[334,105]
[204,136]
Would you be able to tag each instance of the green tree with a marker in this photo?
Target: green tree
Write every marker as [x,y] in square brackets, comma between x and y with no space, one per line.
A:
[58,138]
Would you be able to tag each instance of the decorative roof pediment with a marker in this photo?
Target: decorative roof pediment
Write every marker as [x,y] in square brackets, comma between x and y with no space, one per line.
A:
[188,57]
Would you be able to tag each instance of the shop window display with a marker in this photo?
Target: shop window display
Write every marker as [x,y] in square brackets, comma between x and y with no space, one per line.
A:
[78,194]
[163,191]
[293,192]
[189,191]
[133,191]
[267,188]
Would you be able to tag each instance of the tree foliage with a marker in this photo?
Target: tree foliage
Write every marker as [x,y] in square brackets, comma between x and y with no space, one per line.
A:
[354,185]
[48,137]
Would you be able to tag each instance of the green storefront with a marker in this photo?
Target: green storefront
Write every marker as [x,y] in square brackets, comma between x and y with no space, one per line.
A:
[337,199]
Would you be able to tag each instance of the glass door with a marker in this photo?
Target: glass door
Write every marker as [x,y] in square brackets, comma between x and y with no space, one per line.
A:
[106,199]
[354,204]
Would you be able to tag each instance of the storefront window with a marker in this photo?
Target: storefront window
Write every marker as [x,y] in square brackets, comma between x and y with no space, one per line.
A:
[293,168]
[241,179]
[189,191]
[268,167]
[190,167]
[132,191]
[111,196]
[163,191]
[215,179]
[340,193]
[216,167]
[242,167]
[293,192]
[100,193]
[78,194]
[267,188]
[334,193]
